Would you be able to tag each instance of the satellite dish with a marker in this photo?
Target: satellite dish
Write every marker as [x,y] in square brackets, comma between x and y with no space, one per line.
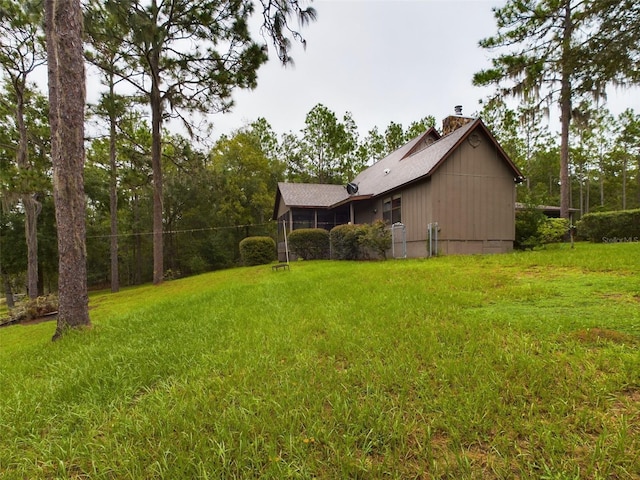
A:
[352,188]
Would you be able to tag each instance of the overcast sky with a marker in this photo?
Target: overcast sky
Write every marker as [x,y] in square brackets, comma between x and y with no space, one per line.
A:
[381,60]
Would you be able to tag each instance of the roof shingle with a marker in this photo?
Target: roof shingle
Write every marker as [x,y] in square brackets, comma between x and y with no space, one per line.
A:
[397,169]
[311,195]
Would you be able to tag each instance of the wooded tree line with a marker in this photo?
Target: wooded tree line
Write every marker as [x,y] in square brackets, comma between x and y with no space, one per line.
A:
[161,205]
[604,155]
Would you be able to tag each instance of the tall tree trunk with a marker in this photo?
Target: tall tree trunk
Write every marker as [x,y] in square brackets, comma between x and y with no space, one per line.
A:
[32,210]
[31,206]
[587,206]
[624,183]
[137,242]
[113,197]
[581,179]
[156,166]
[638,180]
[565,115]
[601,181]
[65,63]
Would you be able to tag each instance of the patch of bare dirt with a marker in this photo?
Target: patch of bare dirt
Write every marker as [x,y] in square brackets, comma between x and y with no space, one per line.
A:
[600,335]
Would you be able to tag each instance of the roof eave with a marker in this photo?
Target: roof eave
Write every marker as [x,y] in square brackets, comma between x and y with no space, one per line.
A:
[354,198]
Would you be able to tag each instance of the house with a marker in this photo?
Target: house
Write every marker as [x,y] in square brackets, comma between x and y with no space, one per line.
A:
[458,189]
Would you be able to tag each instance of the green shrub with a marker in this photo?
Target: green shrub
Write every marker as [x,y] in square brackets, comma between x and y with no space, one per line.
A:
[310,243]
[610,227]
[528,223]
[553,230]
[376,239]
[345,242]
[360,242]
[257,250]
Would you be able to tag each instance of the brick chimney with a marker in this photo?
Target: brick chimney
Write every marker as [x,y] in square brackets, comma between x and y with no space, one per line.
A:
[454,122]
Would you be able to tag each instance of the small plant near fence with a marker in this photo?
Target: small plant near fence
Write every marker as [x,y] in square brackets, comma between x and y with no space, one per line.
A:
[257,250]
[553,230]
[360,242]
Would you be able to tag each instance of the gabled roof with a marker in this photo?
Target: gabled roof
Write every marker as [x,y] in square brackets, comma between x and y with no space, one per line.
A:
[407,165]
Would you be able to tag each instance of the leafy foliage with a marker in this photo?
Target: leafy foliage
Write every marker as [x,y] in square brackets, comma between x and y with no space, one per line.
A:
[257,250]
[528,222]
[310,243]
[360,242]
[326,152]
[611,227]
[345,242]
[553,230]
[376,239]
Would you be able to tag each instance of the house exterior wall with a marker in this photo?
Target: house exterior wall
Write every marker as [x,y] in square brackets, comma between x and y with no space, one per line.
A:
[368,211]
[474,200]
[282,208]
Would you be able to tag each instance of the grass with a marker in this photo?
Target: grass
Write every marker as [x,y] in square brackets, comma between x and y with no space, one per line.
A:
[524,365]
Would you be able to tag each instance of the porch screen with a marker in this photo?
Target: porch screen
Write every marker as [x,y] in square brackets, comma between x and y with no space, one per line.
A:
[303,218]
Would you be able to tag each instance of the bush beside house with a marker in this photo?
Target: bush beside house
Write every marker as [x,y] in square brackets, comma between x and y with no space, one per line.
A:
[528,222]
[553,230]
[533,229]
[310,243]
[257,250]
[360,242]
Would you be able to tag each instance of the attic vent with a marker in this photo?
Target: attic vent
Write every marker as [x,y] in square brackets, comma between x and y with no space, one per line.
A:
[458,109]
[474,139]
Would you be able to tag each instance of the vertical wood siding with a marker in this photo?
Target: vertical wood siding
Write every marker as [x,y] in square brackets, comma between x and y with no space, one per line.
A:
[471,196]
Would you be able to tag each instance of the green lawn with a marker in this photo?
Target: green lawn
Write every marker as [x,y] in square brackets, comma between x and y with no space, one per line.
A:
[524,365]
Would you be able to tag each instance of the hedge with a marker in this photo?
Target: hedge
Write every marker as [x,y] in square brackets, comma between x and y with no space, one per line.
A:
[360,242]
[310,243]
[610,227]
[257,250]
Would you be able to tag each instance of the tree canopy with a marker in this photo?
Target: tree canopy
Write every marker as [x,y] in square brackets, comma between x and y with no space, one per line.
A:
[557,51]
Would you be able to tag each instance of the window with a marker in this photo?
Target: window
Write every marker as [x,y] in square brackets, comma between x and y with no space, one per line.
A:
[392,209]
